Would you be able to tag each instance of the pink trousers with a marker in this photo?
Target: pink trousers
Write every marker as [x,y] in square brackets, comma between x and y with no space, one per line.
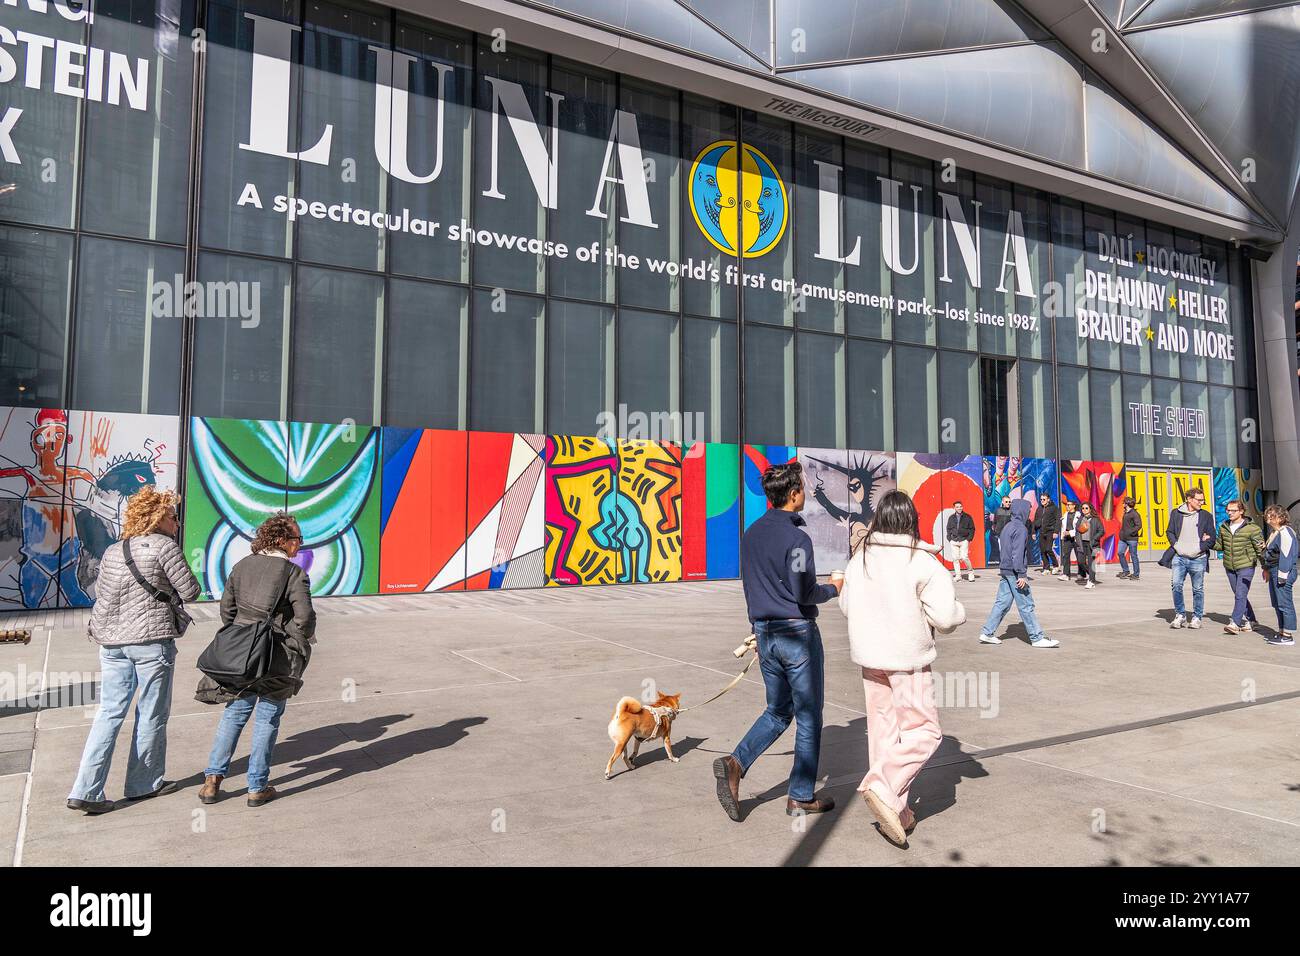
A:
[902,731]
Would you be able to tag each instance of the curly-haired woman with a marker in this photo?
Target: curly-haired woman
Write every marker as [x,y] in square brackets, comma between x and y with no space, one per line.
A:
[267,582]
[136,634]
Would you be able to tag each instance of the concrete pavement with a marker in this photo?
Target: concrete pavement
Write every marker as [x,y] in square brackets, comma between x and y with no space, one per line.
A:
[460,729]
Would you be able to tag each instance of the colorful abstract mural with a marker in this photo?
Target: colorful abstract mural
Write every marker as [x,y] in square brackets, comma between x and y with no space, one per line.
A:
[1244,484]
[711,511]
[1103,485]
[505,508]
[756,460]
[422,510]
[1018,479]
[327,476]
[650,475]
[936,483]
[826,505]
[64,480]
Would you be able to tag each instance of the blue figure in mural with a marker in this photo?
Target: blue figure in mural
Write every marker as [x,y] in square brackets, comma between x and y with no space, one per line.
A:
[50,548]
[99,524]
[622,529]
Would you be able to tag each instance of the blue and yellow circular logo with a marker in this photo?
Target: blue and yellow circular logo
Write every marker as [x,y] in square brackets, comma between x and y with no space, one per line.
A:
[718,181]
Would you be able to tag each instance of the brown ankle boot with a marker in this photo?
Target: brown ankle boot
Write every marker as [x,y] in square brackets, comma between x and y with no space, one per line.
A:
[210,792]
[259,798]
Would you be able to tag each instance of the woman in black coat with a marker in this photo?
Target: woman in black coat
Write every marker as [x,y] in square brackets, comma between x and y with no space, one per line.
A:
[1088,542]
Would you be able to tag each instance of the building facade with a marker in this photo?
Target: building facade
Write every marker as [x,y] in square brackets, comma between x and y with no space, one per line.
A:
[487,305]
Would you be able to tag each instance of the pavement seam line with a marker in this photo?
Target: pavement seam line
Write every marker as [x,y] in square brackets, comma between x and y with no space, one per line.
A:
[21,837]
[495,670]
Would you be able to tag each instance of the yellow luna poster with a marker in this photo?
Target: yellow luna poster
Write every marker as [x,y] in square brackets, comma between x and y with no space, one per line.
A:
[1137,490]
[1158,496]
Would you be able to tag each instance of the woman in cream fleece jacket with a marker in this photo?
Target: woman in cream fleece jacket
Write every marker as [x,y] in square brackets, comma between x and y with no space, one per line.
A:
[896,595]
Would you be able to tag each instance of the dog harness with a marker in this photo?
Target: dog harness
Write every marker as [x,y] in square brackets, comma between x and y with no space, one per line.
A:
[658,713]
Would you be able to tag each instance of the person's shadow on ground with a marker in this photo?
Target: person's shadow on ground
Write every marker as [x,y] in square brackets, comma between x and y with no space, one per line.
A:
[365,758]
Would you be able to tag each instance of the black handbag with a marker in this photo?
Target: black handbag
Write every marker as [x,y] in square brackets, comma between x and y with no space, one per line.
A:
[181,619]
[240,654]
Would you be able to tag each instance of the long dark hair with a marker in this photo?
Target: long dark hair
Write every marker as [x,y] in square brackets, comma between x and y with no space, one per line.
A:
[896,514]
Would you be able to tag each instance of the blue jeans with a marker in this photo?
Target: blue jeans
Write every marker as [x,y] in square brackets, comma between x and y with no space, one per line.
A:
[149,667]
[1127,548]
[1283,597]
[1239,581]
[266,726]
[790,656]
[1024,601]
[1182,567]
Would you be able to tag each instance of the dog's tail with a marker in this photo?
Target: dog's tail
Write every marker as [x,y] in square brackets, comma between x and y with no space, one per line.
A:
[627,705]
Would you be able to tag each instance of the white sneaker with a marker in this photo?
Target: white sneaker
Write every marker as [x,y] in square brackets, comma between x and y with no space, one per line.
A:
[1089,586]
[989,639]
[1246,626]
[970,575]
[956,577]
[1045,642]
[1178,621]
[1195,624]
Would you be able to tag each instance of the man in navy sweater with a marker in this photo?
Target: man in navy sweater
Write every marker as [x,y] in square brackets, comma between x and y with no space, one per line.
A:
[781,590]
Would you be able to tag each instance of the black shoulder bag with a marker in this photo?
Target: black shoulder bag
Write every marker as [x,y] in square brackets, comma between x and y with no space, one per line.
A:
[181,619]
[241,653]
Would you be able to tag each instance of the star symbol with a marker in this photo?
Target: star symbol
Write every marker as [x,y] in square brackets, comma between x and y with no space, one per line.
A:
[1151,333]
[1141,257]
[1173,301]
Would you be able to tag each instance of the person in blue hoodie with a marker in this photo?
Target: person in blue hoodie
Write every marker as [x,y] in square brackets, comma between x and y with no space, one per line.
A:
[1013,581]
[1280,566]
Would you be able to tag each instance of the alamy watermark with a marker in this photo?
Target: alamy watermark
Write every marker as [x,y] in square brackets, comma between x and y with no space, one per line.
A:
[175,298]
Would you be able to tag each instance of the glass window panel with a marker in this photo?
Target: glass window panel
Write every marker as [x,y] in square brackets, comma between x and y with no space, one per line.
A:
[710,387]
[914,279]
[39,189]
[228,77]
[1074,421]
[137,161]
[1218,368]
[427,346]
[706,123]
[1098,237]
[1196,396]
[1243,326]
[127,337]
[996,248]
[816,157]
[1160,242]
[1138,447]
[505,373]
[579,367]
[35,282]
[1033,338]
[1165,394]
[511,205]
[957,298]
[338,90]
[864,166]
[1223,428]
[1037,410]
[769,386]
[870,395]
[338,322]
[590,102]
[1193,366]
[764,213]
[959,403]
[1068,276]
[240,363]
[1131,265]
[440,58]
[1107,416]
[1247,410]
[655,109]
[819,397]
[648,363]
[916,399]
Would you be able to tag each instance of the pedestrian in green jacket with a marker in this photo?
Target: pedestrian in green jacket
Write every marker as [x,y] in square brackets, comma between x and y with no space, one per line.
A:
[1242,544]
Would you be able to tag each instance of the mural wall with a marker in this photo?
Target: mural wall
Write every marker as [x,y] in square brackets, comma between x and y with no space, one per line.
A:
[64,480]
[392,510]
[1246,484]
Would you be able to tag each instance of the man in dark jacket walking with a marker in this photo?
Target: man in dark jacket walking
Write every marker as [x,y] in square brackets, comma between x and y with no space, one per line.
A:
[1191,536]
[1047,523]
[1130,530]
[961,532]
[1013,582]
[782,594]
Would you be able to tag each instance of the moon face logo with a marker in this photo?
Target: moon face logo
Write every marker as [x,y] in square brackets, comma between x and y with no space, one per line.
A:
[738,199]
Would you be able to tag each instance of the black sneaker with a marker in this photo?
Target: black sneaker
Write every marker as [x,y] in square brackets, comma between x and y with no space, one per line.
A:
[90,807]
[1122,575]
[168,786]
[1280,640]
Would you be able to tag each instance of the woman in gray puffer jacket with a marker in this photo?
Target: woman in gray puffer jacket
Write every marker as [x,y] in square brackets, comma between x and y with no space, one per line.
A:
[265,582]
[136,634]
